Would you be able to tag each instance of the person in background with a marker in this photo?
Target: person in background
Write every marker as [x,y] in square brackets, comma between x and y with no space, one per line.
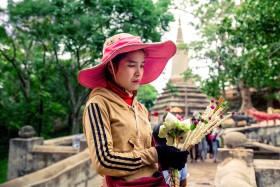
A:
[216,135]
[194,154]
[183,172]
[210,145]
[179,116]
[202,149]
[115,124]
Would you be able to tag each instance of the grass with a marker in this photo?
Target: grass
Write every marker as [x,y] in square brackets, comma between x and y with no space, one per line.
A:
[3,169]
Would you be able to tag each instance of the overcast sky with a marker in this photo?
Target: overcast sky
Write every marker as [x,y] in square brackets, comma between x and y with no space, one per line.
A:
[189,34]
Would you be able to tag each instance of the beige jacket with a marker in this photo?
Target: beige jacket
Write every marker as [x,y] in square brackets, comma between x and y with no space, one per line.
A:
[119,136]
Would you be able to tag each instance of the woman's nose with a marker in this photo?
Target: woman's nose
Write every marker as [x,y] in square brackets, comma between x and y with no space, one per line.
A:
[139,71]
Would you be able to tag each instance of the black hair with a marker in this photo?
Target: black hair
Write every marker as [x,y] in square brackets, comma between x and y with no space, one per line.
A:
[159,141]
[116,60]
[164,116]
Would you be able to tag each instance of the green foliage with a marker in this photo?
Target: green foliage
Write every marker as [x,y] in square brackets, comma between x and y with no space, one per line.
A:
[50,42]
[181,46]
[147,94]
[211,87]
[188,74]
[172,89]
[257,33]
[240,41]
[3,169]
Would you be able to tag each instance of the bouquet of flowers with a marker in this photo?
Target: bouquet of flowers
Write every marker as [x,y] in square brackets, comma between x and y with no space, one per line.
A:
[191,132]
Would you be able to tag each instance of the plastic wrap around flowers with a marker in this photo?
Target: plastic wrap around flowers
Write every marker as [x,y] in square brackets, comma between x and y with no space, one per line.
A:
[192,132]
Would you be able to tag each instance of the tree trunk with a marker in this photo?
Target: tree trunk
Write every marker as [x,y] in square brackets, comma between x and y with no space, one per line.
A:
[269,102]
[246,98]
[75,121]
[224,93]
[40,119]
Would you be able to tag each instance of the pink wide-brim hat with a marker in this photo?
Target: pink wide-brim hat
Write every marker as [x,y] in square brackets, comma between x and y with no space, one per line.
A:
[156,58]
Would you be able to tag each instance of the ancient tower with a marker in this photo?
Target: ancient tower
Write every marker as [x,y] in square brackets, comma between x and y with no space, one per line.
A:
[180,94]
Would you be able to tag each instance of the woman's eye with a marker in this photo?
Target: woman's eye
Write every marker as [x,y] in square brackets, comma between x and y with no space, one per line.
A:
[131,65]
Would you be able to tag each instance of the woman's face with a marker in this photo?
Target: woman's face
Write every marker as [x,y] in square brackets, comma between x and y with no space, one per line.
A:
[130,70]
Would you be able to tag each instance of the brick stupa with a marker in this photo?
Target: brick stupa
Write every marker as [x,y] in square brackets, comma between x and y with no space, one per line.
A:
[186,98]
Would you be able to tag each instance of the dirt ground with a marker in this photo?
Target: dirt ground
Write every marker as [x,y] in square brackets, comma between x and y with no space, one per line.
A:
[201,174]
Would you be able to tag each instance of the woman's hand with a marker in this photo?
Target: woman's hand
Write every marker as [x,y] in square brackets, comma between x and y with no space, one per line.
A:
[171,157]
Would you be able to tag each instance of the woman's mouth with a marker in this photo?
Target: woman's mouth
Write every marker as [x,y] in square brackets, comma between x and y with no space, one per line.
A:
[136,81]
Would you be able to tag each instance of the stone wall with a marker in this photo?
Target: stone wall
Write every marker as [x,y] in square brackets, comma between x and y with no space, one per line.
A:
[57,162]
[62,165]
[260,133]
[267,172]
[30,154]
[75,171]
[238,166]
[20,156]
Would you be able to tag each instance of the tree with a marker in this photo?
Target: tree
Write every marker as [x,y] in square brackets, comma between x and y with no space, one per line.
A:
[26,81]
[40,33]
[147,95]
[172,89]
[241,42]
[256,34]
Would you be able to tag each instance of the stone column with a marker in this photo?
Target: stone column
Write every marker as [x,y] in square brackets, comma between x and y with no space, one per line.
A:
[236,167]
[20,155]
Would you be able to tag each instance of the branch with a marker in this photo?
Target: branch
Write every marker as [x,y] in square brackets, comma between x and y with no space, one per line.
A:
[27,56]
[12,60]
[277,49]
[45,51]
[21,78]
[85,63]
[78,57]
[82,97]
[66,80]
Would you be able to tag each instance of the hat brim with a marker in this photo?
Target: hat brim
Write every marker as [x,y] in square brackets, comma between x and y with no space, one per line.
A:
[157,56]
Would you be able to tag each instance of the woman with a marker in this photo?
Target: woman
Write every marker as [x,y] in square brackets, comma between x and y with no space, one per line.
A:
[115,124]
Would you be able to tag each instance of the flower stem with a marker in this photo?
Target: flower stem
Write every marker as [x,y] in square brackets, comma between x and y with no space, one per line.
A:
[174,173]
[174,179]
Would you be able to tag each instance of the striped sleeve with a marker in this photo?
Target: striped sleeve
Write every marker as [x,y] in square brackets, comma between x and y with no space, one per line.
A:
[98,134]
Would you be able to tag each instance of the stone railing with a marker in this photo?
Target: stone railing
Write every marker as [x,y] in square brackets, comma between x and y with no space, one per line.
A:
[260,133]
[236,167]
[73,171]
[239,168]
[56,162]
[28,154]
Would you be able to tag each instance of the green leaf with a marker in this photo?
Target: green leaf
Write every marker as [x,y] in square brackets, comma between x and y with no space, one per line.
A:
[192,127]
